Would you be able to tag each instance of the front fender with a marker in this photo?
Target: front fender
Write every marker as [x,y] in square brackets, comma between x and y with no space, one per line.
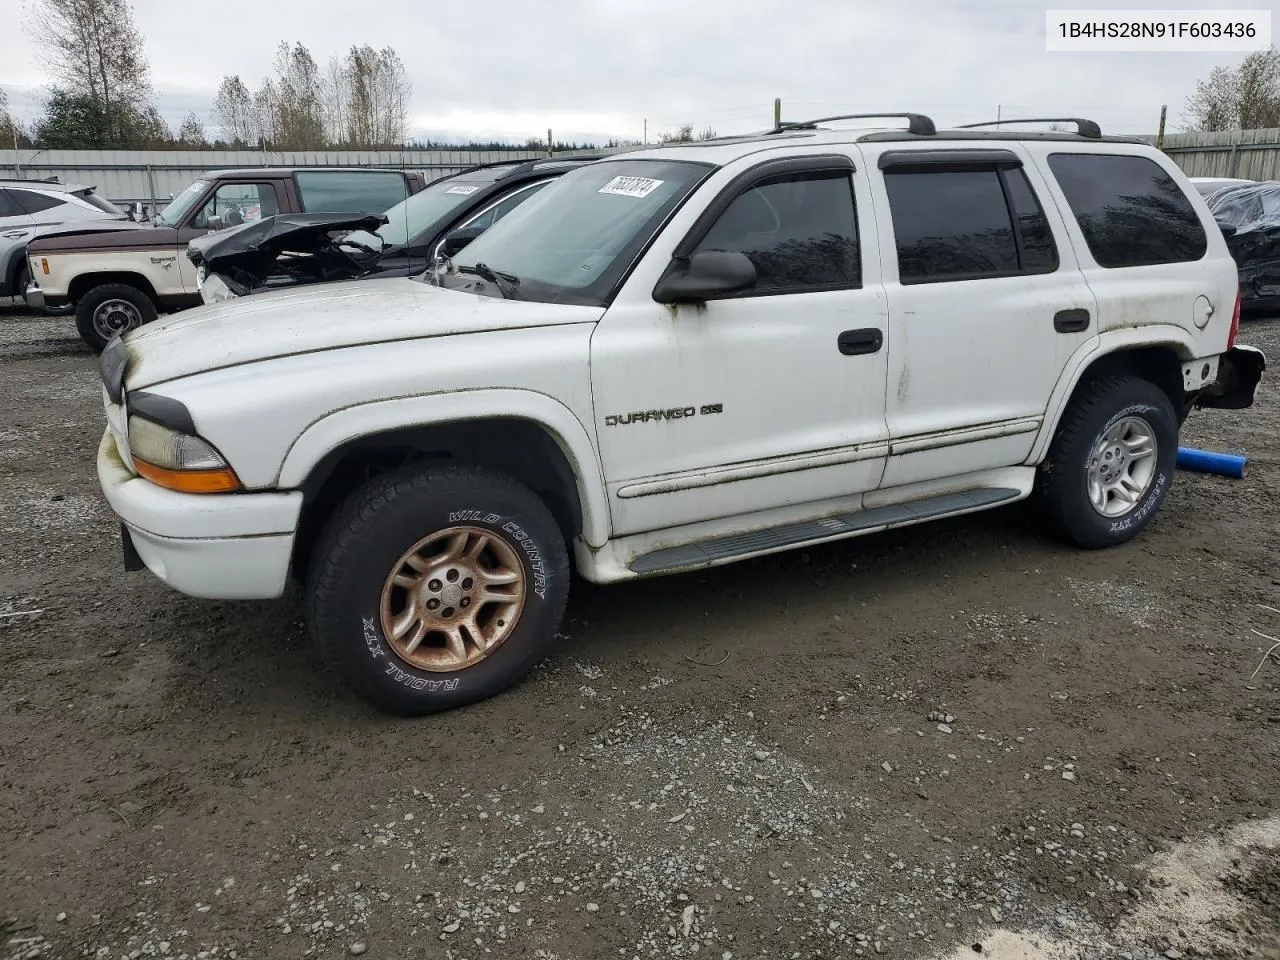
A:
[333,431]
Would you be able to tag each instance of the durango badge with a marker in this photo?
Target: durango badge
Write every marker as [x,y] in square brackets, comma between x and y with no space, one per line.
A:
[671,413]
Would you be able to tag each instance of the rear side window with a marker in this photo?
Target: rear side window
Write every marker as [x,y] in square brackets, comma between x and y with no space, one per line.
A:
[971,224]
[798,229]
[334,192]
[1131,212]
[33,202]
[9,206]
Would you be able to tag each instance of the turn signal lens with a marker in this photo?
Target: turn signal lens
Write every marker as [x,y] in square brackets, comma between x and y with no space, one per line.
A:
[1235,323]
[189,481]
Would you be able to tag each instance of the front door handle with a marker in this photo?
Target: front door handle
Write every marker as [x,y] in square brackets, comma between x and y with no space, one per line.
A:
[854,342]
[1071,321]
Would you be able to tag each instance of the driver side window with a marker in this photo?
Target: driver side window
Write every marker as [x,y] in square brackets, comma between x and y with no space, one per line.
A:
[237,203]
[799,230]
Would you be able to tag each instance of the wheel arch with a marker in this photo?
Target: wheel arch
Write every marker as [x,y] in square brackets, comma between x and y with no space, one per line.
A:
[1154,354]
[544,446]
[84,282]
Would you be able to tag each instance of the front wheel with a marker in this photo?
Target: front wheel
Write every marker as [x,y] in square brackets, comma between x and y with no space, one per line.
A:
[437,587]
[1112,459]
[111,310]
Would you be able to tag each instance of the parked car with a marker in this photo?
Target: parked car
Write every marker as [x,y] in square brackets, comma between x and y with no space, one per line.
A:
[1208,186]
[674,359]
[121,278]
[437,221]
[30,207]
[1250,217]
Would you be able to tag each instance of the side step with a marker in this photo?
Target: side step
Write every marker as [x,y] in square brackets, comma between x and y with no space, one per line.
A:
[812,531]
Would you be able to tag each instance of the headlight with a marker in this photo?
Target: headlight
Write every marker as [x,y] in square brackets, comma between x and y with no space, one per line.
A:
[178,461]
[213,289]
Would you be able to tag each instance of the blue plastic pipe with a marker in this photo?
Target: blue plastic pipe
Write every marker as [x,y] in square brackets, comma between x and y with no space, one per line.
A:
[1206,461]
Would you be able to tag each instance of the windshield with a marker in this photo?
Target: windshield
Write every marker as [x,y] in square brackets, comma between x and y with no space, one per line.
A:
[179,205]
[411,216]
[573,241]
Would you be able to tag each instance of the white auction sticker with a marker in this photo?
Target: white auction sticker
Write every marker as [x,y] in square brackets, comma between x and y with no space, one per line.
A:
[1157,31]
[464,190]
[639,187]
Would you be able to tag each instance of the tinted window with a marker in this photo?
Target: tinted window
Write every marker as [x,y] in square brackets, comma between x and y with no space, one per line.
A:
[799,230]
[1130,211]
[1036,252]
[410,218]
[9,207]
[33,202]
[951,225]
[98,203]
[350,192]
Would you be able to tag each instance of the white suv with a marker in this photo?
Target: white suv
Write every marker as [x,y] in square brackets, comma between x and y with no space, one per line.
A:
[672,359]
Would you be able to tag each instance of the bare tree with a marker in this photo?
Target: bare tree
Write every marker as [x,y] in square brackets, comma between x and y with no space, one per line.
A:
[366,96]
[684,134]
[95,51]
[292,100]
[236,113]
[1244,98]
[191,133]
[8,126]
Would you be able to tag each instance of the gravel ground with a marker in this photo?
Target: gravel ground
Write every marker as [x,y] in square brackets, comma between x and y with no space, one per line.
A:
[957,740]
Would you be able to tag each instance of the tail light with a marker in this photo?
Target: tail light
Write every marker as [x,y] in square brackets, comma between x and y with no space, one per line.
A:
[1235,322]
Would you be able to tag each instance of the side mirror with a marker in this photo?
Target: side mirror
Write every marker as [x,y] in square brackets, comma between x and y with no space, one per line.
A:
[706,275]
[214,223]
[455,240]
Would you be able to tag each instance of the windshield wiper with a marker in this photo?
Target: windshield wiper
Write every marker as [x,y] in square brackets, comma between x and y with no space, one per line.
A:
[505,282]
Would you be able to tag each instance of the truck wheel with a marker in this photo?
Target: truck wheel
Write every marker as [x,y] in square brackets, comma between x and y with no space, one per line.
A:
[1110,463]
[436,587]
[109,310]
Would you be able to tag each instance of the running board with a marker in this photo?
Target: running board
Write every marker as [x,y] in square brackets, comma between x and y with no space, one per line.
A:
[812,531]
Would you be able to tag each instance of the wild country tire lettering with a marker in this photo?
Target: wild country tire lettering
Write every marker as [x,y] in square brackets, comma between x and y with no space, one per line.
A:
[540,576]
[409,680]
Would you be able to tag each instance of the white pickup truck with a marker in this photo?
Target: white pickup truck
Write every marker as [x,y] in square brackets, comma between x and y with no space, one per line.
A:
[672,359]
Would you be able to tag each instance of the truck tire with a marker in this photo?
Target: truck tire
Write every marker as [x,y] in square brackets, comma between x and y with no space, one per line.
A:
[109,310]
[435,587]
[1110,464]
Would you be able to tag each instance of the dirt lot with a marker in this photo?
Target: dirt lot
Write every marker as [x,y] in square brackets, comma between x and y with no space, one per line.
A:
[733,764]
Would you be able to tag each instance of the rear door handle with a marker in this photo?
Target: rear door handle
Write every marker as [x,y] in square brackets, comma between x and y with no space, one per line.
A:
[853,342]
[1071,321]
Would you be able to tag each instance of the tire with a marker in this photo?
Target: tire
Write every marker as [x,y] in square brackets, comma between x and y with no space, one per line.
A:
[352,606]
[1123,405]
[20,282]
[110,309]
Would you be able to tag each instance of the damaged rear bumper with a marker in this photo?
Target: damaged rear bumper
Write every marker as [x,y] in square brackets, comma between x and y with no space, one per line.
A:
[1239,373]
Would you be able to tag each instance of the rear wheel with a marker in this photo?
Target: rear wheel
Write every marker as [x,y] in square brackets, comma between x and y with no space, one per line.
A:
[110,310]
[1111,462]
[437,587]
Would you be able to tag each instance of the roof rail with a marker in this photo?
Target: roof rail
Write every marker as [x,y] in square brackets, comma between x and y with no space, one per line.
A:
[1085,128]
[917,123]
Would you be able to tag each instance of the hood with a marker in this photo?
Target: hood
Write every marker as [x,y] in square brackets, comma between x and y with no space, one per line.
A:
[103,235]
[328,317]
[291,233]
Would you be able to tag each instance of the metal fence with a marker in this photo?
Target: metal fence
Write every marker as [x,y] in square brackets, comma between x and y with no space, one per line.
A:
[152,177]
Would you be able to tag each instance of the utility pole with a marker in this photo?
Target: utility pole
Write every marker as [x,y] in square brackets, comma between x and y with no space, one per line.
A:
[646,131]
[1160,132]
[999,113]
[777,112]
[551,149]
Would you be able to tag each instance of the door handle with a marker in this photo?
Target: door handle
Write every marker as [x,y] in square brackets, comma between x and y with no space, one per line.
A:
[1071,321]
[854,342]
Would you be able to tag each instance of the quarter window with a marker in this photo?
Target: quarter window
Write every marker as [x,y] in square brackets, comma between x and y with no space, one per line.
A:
[1129,209]
[799,230]
[969,224]
[33,202]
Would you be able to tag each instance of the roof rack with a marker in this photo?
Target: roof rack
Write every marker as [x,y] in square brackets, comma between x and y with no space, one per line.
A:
[1085,128]
[917,123]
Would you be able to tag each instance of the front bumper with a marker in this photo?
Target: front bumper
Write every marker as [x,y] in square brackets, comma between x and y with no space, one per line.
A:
[34,297]
[234,546]
[1239,373]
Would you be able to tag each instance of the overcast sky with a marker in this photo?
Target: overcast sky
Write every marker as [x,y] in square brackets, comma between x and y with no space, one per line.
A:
[599,68]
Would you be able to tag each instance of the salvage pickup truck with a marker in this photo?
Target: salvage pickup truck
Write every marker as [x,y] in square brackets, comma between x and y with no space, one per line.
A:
[119,277]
